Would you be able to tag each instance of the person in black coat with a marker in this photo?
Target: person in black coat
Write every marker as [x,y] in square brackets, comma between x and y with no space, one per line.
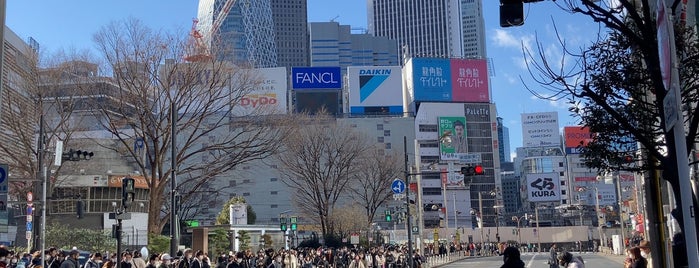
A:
[511,258]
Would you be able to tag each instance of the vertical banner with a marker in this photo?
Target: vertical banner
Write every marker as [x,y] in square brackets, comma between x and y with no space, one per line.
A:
[452,132]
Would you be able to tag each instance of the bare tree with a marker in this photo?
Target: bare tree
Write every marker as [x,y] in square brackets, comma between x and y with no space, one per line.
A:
[348,219]
[372,183]
[320,160]
[615,87]
[150,78]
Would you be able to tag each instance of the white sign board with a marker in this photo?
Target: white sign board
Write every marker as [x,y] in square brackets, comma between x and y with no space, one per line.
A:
[354,239]
[268,97]
[540,129]
[543,187]
[375,86]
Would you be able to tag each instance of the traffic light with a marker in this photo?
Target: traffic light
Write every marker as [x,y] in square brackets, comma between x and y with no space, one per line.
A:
[387,214]
[73,155]
[511,13]
[283,226]
[294,225]
[127,191]
[472,170]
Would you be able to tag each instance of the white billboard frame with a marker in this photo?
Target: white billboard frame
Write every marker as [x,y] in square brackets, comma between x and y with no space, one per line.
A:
[540,129]
[543,187]
[268,97]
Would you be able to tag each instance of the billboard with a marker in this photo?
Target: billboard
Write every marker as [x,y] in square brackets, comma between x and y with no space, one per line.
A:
[268,97]
[469,80]
[316,78]
[540,129]
[375,89]
[453,127]
[316,101]
[575,136]
[543,187]
[453,80]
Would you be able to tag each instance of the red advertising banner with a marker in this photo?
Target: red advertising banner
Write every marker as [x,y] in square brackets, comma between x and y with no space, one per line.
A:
[469,80]
[576,135]
[585,178]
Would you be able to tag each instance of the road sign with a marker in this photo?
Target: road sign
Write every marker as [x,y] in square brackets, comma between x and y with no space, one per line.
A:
[30,218]
[415,230]
[354,239]
[29,235]
[29,226]
[398,186]
[3,179]
[30,197]
[30,210]
[670,112]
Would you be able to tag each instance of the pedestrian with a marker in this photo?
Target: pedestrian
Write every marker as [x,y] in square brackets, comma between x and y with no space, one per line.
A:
[127,260]
[553,257]
[644,245]
[138,260]
[511,258]
[152,261]
[165,261]
[637,261]
[95,261]
[567,260]
[72,260]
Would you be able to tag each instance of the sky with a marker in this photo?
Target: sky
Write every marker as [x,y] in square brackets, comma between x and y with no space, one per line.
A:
[70,25]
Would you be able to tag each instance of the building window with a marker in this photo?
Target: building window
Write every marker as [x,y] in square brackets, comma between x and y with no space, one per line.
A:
[432,191]
[379,139]
[563,192]
[562,173]
[560,164]
[232,183]
[427,128]
[246,194]
[274,193]
[386,133]
[273,206]
[388,146]
[379,126]
[246,181]
[273,179]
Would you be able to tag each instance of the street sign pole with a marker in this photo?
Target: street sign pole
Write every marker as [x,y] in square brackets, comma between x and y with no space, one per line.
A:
[665,28]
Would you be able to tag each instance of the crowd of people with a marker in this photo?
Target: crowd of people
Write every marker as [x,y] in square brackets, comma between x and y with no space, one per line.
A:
[375,257]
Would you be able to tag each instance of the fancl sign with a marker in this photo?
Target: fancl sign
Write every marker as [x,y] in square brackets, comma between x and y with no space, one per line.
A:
[316,78]
[543,187]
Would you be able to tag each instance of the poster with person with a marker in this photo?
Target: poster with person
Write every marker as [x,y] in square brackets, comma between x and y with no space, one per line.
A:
[452,131]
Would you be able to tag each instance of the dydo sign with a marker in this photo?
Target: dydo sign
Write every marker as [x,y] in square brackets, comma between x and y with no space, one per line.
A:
[543,187]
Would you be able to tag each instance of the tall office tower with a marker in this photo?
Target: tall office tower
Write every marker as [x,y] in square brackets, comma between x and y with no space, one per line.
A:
[246,35]
[333,44]
[290,32]
[504,138]
[438,28]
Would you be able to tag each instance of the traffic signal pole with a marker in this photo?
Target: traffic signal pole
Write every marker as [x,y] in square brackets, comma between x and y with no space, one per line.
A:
[407,204]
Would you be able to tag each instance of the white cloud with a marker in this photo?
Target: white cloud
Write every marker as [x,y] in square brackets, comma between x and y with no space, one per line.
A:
[511,79]
[504,38]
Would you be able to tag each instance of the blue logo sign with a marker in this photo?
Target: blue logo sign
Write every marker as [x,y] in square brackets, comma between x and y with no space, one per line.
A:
[316,78]
[432,79]
[398,186]
[370,80]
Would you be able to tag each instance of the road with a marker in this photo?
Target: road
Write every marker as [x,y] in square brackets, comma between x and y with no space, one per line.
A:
[538,260]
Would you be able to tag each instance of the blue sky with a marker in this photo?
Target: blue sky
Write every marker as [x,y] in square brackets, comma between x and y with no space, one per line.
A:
[70,24]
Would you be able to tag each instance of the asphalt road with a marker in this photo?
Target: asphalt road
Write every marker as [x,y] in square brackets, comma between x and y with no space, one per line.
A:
[538,260]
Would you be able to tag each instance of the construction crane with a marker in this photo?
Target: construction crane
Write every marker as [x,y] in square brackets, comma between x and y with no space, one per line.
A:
[199,50]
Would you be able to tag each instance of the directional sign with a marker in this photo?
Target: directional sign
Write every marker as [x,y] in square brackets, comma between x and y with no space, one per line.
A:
[29,226]
[398,186]
[30,210]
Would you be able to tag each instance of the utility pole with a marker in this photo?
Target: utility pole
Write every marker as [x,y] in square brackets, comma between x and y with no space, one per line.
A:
[174,231]
[407,204]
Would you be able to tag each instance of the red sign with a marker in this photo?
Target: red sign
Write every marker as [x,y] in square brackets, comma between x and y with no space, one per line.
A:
[469,80]
[626,177]
[576,135]
[444,176]
[586,178]
[30,197]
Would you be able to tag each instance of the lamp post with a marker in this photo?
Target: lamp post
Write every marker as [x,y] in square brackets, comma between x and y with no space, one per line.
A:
[518,219]
[538,233]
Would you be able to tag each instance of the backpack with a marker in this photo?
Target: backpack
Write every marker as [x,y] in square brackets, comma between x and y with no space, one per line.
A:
[390,258]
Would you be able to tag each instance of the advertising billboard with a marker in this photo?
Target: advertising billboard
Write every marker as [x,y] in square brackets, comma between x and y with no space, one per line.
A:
[431,79]
[452,132]
[543,187]
[453,80]
[575,136]
[375,89]
[316,101]
[469,80]
[316,78]
[268,97]
[540,129]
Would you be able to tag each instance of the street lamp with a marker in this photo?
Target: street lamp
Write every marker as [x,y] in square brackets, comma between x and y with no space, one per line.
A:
[518,219]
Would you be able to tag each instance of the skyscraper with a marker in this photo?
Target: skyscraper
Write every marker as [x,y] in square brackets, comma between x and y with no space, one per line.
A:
[333,44]
[437,28]
[504,138]
[246,36]
[291,32]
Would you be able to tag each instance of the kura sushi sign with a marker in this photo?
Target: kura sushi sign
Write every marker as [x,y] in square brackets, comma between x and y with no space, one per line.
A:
[543,187]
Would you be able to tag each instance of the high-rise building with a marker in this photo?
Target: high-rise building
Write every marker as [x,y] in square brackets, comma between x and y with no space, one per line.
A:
[246,36]
[504,138]
[290,32]
[333,44]
[438,28]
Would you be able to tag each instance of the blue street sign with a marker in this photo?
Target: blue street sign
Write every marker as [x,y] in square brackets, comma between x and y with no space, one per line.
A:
[398,186]
[3,179]
[30,209]
[29,226]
